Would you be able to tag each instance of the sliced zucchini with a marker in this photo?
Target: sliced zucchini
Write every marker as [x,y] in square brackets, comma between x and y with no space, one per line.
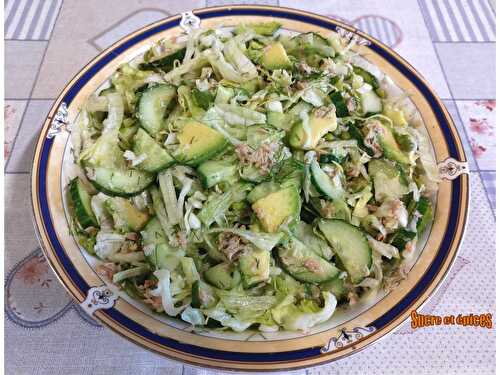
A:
[212,172]
[350,245]
[223,276]
[277,207]
[81,203]
[324,183]
[197,143]
[126,216]
[157,158]
[305,265]
[254,267]
[153,105]
[119,182]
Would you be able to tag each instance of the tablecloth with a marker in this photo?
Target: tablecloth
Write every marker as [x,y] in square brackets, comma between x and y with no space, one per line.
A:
[452,43]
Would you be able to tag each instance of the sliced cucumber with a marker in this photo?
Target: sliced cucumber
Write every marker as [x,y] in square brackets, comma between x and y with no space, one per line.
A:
[370,103]
[304,264]
[350,245]
[120,182]
[367,77]
[223,276]
[157,158]
[165,63]
[202,295]
[153,106]
[324,183]
[81,203]
[156,248]
[335,286]
[212,172]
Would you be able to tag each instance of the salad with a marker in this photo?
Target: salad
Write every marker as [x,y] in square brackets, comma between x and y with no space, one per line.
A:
[243,178]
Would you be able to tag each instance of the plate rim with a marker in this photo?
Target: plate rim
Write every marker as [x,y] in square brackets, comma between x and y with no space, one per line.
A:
[431,288]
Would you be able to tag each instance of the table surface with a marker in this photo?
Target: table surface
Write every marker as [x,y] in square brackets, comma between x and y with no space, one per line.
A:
[452,43]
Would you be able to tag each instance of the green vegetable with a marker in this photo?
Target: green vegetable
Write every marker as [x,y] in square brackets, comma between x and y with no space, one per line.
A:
[81,203]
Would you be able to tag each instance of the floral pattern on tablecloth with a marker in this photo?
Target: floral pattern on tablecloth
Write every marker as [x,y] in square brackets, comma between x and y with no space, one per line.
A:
[34,297]
[479,118]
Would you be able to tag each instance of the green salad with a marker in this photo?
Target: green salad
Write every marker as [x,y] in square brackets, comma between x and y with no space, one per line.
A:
[246,178]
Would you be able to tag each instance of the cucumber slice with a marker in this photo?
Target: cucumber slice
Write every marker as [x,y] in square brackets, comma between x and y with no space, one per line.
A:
[212,172]
[157,158]
[324,184]
[119,182]
[81,203]
[153,106]
[165,63]
[223,276]
[350,245]
[335,286]
[156,248]
[370,103]
[202,295]
[304,264]
[367,77]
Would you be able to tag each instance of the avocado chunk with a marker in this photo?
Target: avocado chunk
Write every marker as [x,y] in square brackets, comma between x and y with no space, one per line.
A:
[197,143]
[350,245]
[275,208]
[275,57]
[304,264]
[396,115]
[254,267]
[306,134]
[223,276]
[126,217]
[390,147]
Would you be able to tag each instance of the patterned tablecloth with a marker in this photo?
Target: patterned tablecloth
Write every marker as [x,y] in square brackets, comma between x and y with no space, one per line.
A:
[452,43]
